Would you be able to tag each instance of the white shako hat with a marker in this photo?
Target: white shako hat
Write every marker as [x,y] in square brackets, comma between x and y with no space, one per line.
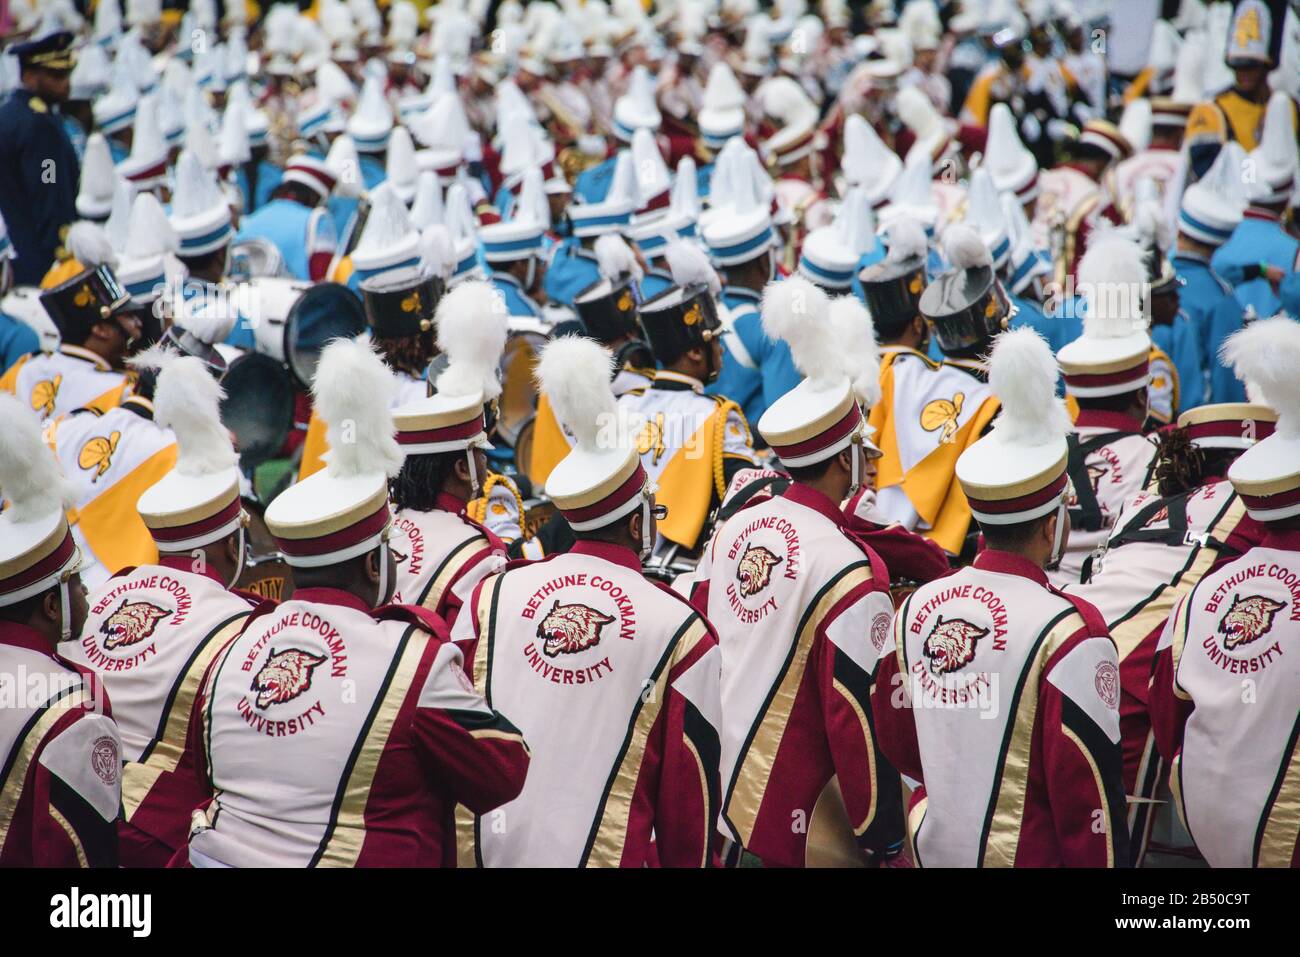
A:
[614,212]
[1212,207]
[142,265]
[934,132]
[1265,355]
[91,76]
[312,172]
[601,480]
[867,162]
[146,166]
[830,254]
[653,232]
[1135,123]
[115,110]
[984,213]
[400,164]
[1006,157]
[1275,157]
[653,179]
[738,225]
[1112,356]
[636,108]
[1228,425]
[1027,262]
[36,547]
[98,179]
[821,416]
[342,511]
[1017,473]
[723,114]
[912,196]
[458,216]
[372,119]
[389,240]
[442,131]
[197,502]
[523,236]
[472,325]
[427,208]
[795,116]
[200,213]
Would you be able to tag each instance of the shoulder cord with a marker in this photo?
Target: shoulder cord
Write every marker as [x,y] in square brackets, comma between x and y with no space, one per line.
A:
[724,410]
[478,508]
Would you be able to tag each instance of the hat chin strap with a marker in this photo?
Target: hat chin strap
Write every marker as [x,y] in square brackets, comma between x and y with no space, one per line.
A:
[239,560]
[647,528]
[532,275]
[65,612]
[855,469]
[475,487]
[1055,561]
[383,572]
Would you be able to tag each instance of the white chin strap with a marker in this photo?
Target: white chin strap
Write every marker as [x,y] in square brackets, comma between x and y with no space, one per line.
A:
[532,274]
[65,612]
[239,559]
[855,470]
[1054,562]
[648,531]
[771,264]
[383,572]
[475,488]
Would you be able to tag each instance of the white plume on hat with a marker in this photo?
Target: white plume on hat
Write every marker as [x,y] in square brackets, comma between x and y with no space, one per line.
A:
[1135,123]
[118,226]
[1006,157]
[353,392]
[1275,156]
[149,232]
[867,161]
[690,266]
[472,325]
[30,479]
[615,259]
[388,224]
[1023,374]
[685,198]
[1189,72]
[400,166]
[187,400]
[906,240]
[652,176]
[964,248]
[344,162]
[575,375]
[437,251]
[427,208]
[798,312]
[853,330]
[233,148]
[196,190]
[1112,277]
[89,245]
[98,178]
[1265,355]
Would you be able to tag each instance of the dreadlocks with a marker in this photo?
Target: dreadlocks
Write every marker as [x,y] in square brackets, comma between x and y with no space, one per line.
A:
[421,479]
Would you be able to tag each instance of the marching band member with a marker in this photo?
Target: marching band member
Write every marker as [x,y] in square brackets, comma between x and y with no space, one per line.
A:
[691,443]
[796,599]
[514,250]
[1107,372]
[1230,740]
[993,664]
[295,218]
[97,331]
[152,629]
[1163,542]
[634,754]
[61,788]
[442,553]
[574,266]
[304,780]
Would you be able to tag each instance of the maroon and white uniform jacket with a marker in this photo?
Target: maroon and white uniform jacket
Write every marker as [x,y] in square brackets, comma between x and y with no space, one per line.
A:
[613,679]
[999,698]
[1158,549]
[60,759]
[328,735]
[441,556]
[1225,705]
[150,634]
[797,602]
[1110,462]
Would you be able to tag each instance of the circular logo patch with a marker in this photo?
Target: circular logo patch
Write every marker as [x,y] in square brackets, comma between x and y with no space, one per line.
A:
[879,630]
[1107,682]
[104,760]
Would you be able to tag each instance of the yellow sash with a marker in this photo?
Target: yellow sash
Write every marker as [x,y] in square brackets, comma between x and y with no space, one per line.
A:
[549,444]
[110,523]
[687,483]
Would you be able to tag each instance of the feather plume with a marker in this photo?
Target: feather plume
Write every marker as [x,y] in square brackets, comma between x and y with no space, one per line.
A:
[984,209]
[685,198]
[855,333]
[906,240]
[89,244]
[472,322]
[345,163]
[615,259]
[353,392]
[1022,374]
[118,226]
[964,248]
[690,266]
[386,226]
[187,400]
[30,479]
[149,233]
[1265,355]
[798,312]
[196,189]
[575,374]
[97,174]
[1112,276]
[427,208]
[437,251]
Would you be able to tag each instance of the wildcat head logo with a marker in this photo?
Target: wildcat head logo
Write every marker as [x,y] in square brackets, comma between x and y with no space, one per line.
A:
[1248,619]
[568,629]
[755,569]
[285,675]
[133,622]
[951,644]
[1095,474]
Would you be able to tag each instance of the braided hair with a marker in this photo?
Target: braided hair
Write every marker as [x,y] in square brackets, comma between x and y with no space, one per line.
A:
[421,479]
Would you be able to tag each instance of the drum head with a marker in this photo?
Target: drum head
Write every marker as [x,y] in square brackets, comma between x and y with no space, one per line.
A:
[326,311]
[254,258]
[272,301]
[258,407]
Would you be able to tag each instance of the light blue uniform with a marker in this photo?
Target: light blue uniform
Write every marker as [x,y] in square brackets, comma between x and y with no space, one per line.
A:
[77,135]
[1199,297]
[1289,292]
[286,223]
[1179,341]
[592,185]
[571,270]
[518,302]
[17,339]
[1227,318]
[756,380]
[654,282]
[1255,240]
[872,256]
[268,178]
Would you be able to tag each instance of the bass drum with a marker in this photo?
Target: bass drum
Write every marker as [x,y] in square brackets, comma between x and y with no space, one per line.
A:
[273,299]
[258,408]
[325,311]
